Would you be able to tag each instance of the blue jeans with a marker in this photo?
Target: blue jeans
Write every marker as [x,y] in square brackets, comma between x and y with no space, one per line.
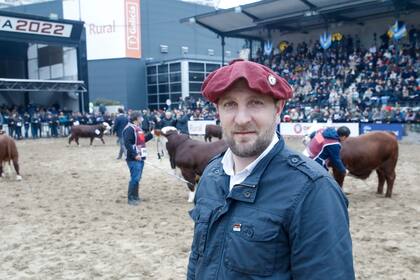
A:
[136,169]
[34,131]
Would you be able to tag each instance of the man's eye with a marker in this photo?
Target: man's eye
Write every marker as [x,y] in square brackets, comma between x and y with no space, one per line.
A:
[229,105]
[255,103]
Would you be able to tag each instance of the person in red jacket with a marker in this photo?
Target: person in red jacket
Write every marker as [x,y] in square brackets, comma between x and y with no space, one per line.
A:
[135,143]
[325,147]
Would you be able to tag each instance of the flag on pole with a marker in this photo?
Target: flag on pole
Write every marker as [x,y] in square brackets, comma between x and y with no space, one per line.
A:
[401,32]
[397,31]
[268,47]
[325,40]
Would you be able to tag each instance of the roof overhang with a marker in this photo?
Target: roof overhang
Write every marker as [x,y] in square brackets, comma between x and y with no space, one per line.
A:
[23,85]
[257,20]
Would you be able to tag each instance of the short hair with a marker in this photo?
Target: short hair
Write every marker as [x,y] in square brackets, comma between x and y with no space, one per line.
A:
[120,110]
[343,131]
[134,116]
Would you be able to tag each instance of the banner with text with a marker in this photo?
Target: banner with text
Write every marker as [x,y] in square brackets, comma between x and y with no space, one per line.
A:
[302,129]
[113,30]
[32,26]
[396,128]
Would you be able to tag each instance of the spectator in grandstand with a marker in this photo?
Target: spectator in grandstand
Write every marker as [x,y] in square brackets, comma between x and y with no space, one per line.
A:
[181,104]
[196,115]
[26,124]
[62,121]
[10,121]
[147,123]
[53,124]
[294,115]
[102,109]
[343,102]
[44,124]
[410,116]
[316,115]
[18,120]
[182,121]
[397,116]
[35,125]
[167,120]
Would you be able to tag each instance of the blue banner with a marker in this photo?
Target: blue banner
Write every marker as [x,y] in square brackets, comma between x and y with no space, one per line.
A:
[397,128]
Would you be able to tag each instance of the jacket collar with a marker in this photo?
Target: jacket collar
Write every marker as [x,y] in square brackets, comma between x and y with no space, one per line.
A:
[247,190]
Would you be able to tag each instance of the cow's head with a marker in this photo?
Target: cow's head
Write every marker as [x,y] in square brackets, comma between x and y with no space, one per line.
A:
[170,145]
[168,130]
[106,128]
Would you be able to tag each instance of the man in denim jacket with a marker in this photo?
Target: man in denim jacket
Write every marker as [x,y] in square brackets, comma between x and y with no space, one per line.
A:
[262,211]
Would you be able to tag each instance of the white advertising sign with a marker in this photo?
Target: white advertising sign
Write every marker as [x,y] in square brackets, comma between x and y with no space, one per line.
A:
[302,129]
[32,26]
[112,26]
[199,127]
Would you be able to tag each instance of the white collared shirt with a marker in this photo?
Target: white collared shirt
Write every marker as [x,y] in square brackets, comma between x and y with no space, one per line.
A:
[228,164]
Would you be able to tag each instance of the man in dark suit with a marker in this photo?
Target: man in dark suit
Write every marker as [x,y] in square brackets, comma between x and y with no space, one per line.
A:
[120,122]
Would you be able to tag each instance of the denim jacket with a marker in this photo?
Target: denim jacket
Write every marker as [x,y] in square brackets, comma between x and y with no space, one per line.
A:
[287,220]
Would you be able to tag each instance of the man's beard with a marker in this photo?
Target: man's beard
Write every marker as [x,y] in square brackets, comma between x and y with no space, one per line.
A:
[250,149]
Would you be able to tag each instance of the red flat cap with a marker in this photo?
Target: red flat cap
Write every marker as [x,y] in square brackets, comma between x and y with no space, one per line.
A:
[258,77]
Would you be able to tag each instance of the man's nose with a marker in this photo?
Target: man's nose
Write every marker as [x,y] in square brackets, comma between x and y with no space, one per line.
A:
[243,116]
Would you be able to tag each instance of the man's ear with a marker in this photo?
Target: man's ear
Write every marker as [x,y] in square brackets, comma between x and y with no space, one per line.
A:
[217,107]
[279,106]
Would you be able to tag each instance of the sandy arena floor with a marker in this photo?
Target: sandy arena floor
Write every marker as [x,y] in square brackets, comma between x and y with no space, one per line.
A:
[68,218]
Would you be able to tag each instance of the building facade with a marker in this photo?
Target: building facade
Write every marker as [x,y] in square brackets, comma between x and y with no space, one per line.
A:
[42,61]
[176,80]
[171,59]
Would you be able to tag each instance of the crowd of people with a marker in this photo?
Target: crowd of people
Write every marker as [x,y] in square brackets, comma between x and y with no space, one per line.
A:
[50,122]
[39,122]
[347,82]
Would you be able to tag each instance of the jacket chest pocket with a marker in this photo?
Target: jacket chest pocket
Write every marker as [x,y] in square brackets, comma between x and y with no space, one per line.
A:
[252,247]
[201,217]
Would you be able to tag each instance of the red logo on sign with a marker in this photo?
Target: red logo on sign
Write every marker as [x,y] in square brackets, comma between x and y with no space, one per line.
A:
[297,128]
[132,32]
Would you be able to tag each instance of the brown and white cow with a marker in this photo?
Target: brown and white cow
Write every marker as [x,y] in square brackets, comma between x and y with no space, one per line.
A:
[189,155]
[9,152]
[89,131]
[372,151]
